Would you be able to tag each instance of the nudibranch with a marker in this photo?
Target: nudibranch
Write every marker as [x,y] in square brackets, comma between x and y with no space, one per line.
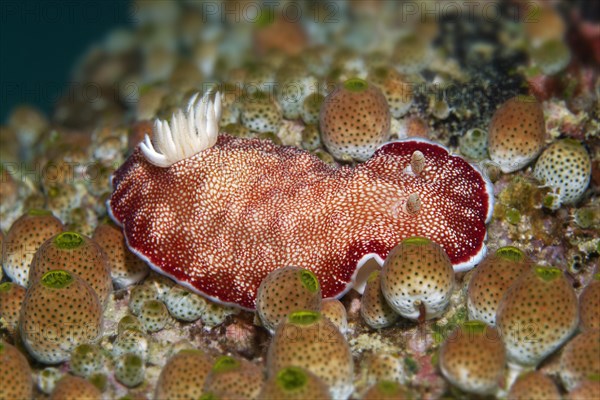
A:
[218,213]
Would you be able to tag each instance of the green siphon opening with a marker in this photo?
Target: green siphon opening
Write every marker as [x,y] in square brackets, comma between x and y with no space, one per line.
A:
[550,201]
[68,240]
[597,276]
[513,216]
[133,361]
[552,56]
[99,380]
[36,212]
[258,95]
[304,317]
[153,305]
[309,280]
[191,352]
[548,274]
[47,373]
[584,217]
[381,72]
[388,387]
[474,327]
[5,287]
[208,396]
[129,322]
[524,98]
[416,241]
[265,18]
[356,85]
[476,133]
[291,378]
[571,142]
[594,377]
[510,253]
[53,192]
[315,100]
[268,136]
[373,276]
[554,48]
[225,363]
[84,349]
[57,279]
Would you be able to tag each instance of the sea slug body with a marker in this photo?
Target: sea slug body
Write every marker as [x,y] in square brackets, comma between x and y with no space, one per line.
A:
[220,220]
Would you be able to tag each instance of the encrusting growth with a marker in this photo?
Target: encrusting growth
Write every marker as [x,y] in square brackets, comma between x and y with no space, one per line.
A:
[183,375]
[125,268]
[541,304]
[308,340]
[354,120]
[77,254]
[25,236]
[565,167]
[417,279]
[11,298]
[580,359]
[15,369]
[73,387]
[334,311]
[533,385]
[286,290]
[516,133]
[50,331]
[294,383]
[234,378]
[374,309]
[589,305]
[86,359]
[473,358]
[492,278]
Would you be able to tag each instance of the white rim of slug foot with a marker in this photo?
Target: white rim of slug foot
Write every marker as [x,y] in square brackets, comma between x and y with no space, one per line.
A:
[188,133]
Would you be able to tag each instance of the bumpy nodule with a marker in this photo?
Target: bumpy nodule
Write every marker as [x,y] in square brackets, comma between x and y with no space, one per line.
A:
[60,311]
[541,306]
[354,120]
[492,278]
[308,340]
[78,254]
[417,278]
[473,358]
[286,290]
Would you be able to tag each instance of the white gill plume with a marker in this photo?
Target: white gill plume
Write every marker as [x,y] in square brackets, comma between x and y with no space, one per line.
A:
[188,133]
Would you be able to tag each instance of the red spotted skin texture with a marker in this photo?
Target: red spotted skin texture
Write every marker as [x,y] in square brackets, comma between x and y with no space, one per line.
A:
[221,220]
